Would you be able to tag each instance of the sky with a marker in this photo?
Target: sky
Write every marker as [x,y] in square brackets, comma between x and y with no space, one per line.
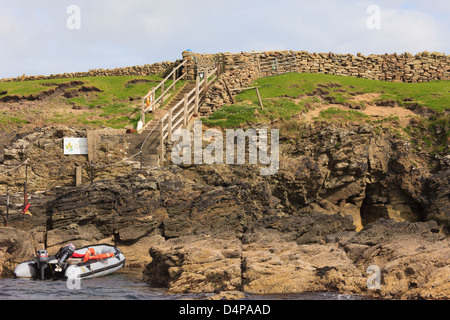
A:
[47,36]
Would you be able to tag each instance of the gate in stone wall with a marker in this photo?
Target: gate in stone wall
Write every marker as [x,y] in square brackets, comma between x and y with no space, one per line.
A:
[269,65]
[207,65]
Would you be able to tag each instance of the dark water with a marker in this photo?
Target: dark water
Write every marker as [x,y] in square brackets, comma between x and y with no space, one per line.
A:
[122,285]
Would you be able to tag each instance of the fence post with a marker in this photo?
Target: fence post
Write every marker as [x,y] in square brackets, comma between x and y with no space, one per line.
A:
[170,125]
[161,146]
[78,176]
[259,98]
[143,111]
[197,98]
[174,80]
[152,103]
[185,112]
[206,83]
[92,173]
[162,94]
[229,92]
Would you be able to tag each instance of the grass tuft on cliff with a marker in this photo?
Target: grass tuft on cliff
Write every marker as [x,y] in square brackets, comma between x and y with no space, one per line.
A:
[98,102]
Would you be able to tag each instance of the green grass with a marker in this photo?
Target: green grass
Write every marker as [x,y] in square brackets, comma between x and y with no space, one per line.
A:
[112,107]
[285,96]
[10,120]
[434,95]
[231,116]
[114,87]
[288,94]
[432,133]
[26,88]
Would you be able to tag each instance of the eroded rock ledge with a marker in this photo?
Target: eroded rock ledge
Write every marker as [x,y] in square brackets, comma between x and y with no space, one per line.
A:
[413,259]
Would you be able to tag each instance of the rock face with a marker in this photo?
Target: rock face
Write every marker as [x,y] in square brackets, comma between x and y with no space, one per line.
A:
[437,196]
[343,200]
[196,264]
[15,246]
[413,259]
[48,167]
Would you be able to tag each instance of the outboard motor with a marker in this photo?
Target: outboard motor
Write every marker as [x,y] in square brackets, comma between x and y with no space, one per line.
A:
[42,260]
[64,254]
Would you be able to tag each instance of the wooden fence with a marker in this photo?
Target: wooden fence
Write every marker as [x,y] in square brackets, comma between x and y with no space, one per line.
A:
[150,102]
[182,112]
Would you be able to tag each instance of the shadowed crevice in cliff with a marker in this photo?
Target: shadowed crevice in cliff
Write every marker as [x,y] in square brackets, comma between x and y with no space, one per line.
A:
[389,202]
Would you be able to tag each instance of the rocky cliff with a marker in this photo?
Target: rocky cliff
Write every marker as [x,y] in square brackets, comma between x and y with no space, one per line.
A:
[344,199]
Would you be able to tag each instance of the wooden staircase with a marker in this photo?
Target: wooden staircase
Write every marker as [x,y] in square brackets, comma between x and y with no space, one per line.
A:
[147,148]
[149,141]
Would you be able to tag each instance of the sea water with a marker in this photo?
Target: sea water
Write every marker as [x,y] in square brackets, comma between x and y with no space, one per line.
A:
[125,284]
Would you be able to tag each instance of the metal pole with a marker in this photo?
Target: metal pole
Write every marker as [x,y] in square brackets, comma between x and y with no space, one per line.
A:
[26,184]
[25,189]
[7,207]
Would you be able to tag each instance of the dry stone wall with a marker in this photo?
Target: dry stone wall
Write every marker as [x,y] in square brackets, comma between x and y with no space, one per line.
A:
[144,70]
[241,69]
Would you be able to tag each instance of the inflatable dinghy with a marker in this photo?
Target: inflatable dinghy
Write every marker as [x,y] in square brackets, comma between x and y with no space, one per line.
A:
[87,262]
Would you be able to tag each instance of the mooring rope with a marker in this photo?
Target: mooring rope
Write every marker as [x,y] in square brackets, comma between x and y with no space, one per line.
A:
[20,165]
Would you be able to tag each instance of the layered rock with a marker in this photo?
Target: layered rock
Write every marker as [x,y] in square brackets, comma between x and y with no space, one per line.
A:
[15,246]
[413,259]
[316,225]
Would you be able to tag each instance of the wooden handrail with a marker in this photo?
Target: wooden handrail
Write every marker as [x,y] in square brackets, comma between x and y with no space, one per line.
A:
[171,121]
[167,78]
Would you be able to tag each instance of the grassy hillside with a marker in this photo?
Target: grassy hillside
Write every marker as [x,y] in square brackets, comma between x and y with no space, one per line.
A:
[94,102]
[292,99]
[434,95]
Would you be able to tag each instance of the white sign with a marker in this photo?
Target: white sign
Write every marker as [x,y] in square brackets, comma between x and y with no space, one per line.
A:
[75,146]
